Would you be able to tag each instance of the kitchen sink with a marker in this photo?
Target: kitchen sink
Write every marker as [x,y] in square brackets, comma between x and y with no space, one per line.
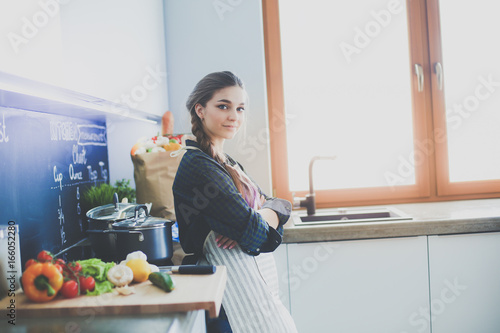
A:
[346,215]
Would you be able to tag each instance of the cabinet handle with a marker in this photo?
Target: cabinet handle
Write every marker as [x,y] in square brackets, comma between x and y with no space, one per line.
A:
[420,77]
[438,69]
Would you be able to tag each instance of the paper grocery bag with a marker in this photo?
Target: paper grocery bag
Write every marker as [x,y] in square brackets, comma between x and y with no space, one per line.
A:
[154,175]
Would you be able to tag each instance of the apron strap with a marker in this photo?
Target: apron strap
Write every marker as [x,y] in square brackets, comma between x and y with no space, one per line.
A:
[178,152]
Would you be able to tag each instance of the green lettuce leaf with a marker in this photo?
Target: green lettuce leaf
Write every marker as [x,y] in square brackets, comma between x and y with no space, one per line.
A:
[98,269]
[101,288]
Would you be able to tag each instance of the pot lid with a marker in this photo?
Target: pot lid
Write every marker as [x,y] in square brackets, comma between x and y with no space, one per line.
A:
[111,212]
[141,223]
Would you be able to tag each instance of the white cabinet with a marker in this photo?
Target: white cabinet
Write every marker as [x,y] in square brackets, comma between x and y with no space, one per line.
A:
[378,285]
[281,258]
[465,283]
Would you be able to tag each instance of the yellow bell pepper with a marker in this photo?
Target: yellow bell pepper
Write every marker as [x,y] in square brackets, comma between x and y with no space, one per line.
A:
[41,282]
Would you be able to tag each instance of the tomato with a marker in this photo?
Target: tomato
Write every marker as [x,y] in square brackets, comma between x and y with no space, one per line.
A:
[177,138]
[86,283]
[75,266]
[29,263]
[60,261]
[59,268]
[69,289]
[44,256]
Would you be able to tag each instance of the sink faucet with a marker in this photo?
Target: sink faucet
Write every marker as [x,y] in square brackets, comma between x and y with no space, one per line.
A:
[309,200]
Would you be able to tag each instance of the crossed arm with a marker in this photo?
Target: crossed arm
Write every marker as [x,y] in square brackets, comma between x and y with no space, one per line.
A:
[267,214]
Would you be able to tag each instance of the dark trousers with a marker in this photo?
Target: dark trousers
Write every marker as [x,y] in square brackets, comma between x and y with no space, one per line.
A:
[219,324]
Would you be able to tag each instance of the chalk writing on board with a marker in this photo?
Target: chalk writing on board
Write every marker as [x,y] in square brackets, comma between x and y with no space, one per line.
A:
[58,177]
[44,161]
[60,215]
[77,178]
[3,130]
[78,208]
[104,172]
[79,155]
[63,131]
[74,175]
[92,135]
[92,174]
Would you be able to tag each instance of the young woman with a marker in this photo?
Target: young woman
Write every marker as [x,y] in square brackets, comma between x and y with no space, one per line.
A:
[223,216]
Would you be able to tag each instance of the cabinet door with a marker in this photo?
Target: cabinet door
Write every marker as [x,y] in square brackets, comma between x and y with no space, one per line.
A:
[360,286]
[280,256]
[465,283]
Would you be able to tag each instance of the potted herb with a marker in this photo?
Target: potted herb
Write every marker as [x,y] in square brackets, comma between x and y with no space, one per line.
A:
[103,194]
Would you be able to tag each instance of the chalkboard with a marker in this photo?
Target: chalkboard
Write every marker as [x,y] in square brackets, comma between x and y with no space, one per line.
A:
[46,162]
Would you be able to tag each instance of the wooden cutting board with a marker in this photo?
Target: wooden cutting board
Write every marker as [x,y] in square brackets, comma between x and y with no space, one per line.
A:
[192,292]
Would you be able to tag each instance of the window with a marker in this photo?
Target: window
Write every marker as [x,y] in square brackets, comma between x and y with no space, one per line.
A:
[468,100]
[403,94]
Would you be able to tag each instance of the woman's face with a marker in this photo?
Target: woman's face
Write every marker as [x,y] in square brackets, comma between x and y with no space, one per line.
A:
[223,114]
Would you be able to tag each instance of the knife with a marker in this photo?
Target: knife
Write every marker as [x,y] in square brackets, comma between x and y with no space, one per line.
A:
[188,269]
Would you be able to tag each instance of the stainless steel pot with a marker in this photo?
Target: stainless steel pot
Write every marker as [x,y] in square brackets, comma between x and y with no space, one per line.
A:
[114,237]
[100,220]
[151,235]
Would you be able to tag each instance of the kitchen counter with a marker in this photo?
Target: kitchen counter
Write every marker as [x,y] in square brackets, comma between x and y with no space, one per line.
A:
[436,218]
[175,311]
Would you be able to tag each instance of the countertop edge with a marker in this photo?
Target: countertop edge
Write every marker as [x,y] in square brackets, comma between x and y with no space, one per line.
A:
[418,226]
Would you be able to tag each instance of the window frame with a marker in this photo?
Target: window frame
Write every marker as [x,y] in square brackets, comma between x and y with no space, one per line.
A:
[445,187]
[431,170]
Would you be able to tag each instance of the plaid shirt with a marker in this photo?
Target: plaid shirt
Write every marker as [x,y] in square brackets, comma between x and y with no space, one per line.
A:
[206,199]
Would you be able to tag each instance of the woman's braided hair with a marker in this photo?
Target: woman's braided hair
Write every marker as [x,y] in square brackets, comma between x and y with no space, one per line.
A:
[201,94]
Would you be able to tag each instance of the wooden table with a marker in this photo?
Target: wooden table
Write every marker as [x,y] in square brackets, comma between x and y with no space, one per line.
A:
[191,293]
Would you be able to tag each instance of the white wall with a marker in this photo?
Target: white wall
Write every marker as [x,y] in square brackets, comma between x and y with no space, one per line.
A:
[111,49]
[204,36]
[115,49]
[31,41]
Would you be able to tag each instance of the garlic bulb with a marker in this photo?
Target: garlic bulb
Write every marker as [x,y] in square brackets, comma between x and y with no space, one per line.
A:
[120,275]
[135,254]
[125,290]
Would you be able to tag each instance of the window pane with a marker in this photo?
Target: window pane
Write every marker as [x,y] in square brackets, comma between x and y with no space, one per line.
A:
[471,54]
[347,91]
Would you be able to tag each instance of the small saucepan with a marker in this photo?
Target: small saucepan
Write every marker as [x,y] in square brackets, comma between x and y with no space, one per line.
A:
[142,232]
[100,219]
[151,235]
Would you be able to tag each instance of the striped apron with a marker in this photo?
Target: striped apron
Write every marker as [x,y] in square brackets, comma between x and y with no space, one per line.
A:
[251,299]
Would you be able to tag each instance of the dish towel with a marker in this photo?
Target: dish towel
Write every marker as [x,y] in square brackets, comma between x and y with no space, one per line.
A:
[251,298]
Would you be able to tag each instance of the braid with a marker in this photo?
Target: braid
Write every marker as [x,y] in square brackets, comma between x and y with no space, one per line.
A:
[245,186]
